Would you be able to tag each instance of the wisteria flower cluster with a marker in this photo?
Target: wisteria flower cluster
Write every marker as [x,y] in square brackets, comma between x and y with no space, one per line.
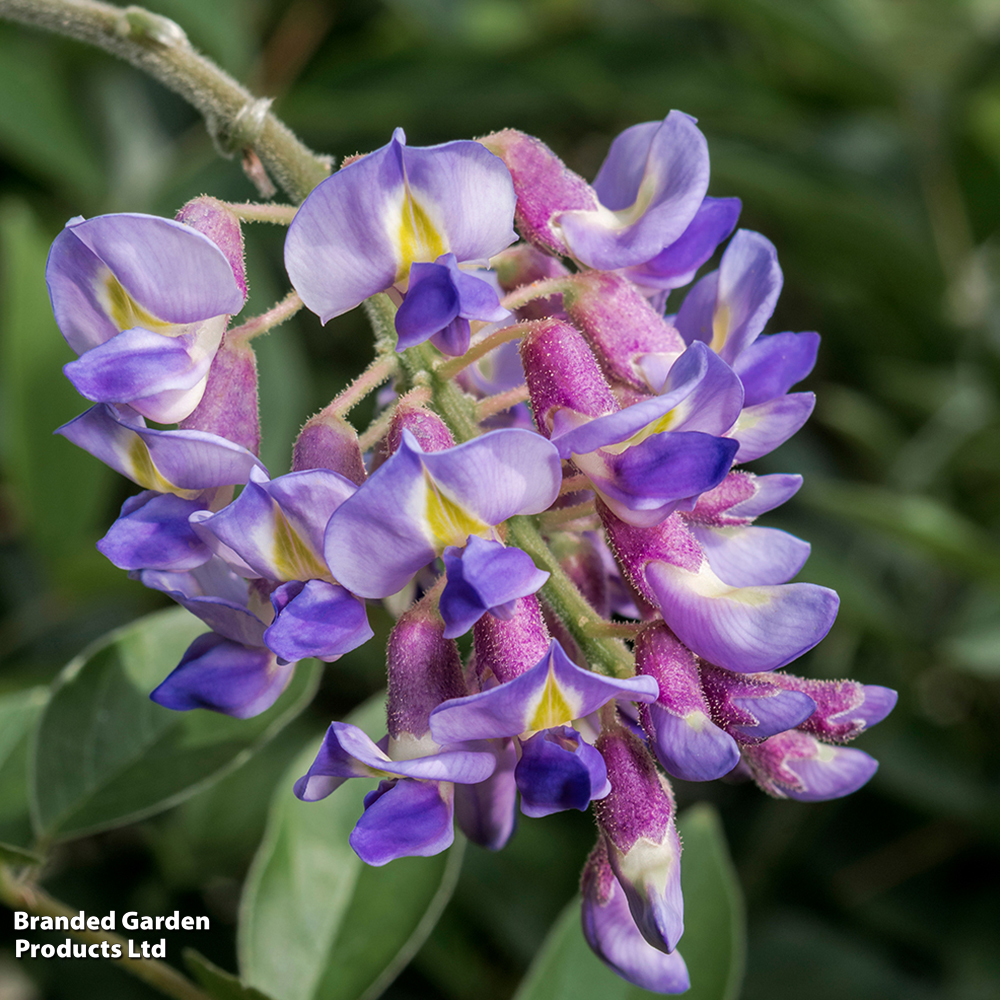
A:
[557,467]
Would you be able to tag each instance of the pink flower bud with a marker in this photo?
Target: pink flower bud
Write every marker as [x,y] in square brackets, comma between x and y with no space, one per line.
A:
[424,670]
[562,374]
[506,648]
[637,820]
[216,221]
[621,326]
[328,441]
[544,186]
[229,405]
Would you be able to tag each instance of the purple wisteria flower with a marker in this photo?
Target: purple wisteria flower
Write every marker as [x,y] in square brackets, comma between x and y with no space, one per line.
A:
[410,812]
[727,309]
[619,483]
[144,301]
[360,231]
[647,459]
[645,197]
[419,503]
[440,301]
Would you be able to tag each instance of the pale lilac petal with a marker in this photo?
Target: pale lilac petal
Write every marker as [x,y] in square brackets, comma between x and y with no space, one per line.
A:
[761,428]
[405,819]
[376,540]
[153,532]
[138,364]
[795,765]
[473,191]
[559,770]
[644,212]
[337,761]
[745,629]
[171,270]
[347,240]
[771,491]
[691,747]
[347,752]
[277,527]
[695,320]
[692,368]
[879,702]
[226,677]
[318,619]
[486,576]
[612,934]
[775,714]
[620,175]
[500,474]
[342,245]
[216,595]
[646,483]
[418,503]
[843,772]
[182,462]
[678,263]
[771,365]
[554,692]
[751,556]
[650,875]
[485,811]
[749,285]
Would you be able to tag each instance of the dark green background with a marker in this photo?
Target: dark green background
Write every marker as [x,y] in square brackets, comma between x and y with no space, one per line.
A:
[864,139]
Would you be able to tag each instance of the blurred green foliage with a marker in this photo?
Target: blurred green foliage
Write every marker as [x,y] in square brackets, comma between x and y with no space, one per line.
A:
[864,139]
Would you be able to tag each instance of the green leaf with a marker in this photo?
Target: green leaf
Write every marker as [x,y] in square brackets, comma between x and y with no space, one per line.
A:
[714,941]
[11,855]
[315,922]
[923,523]
[712,945]
[217,982]
[105,755]
[40,120]
[18,712]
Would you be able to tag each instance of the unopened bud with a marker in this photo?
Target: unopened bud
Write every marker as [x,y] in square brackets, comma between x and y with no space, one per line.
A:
[328,441]
[622,328]
[229,405]
[544,186]
[563,374]
[424,670]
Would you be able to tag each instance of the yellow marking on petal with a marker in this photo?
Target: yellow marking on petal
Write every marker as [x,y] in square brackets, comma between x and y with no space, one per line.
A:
[449,521]
[706,584]
[124,311]
[720,326]
[143,470]
[643,199]
[419,238]
[697,720]
[553,708]
[657,426]
[293,557]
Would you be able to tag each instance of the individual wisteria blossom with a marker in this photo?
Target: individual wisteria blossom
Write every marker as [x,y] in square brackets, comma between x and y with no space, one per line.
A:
[401,216]
[411,811]
[418,504]
[556,465]
[145,302]
[645,196]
